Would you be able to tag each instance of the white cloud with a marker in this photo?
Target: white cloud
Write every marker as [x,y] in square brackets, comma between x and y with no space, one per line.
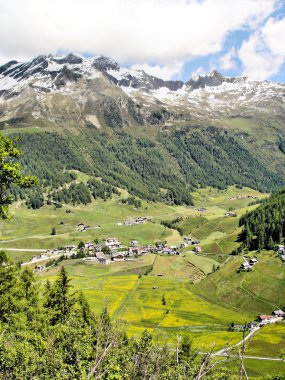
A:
[263,54]
[132,32]
[161,71]
[199,71]
[227,61]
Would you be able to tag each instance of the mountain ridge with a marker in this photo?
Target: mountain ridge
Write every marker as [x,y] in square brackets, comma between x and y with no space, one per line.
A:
[159,139]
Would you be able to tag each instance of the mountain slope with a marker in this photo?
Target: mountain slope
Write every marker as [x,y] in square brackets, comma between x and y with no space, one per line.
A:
[159,139]
[265,226]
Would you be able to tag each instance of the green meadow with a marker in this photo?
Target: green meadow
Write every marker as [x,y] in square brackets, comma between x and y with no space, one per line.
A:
[217,233]
[203,293]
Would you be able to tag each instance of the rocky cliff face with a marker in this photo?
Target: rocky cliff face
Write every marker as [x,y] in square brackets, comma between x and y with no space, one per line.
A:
[71,87]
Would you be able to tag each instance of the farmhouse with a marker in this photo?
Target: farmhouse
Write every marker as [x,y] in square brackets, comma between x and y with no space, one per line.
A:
[118,256]
[197,249]
[112,243]
[200,209]
[253,261]
[168,251]
[99,255]
[245,265]
[89,245]
[231,213]
[139,220]
[264,318]
[69,247]
[278,313]
[133,243]
[104,260]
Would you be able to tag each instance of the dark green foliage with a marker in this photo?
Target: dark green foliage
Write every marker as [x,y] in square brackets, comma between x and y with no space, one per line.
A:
[54,335]
[101,190]
[53,231]
[166,168]
[51,155]
[11,174]
[265,226]
[132,201]
[34,198]
[214,157]
[173,224]
[81,245]
[111,112]
[76,193]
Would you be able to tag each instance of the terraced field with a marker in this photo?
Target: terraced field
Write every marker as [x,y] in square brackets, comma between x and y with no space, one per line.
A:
[203,293]
[137,301]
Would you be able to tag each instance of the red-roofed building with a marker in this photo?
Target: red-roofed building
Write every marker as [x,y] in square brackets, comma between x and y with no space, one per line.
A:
[264,318]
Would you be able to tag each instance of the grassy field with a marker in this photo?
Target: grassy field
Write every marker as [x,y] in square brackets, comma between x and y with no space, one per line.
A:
[259,291]
[268,342]
[199,303]
[31,228]
[258,368]
[137,301]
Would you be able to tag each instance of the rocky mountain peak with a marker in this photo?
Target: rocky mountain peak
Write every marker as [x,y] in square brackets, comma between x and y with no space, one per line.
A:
[104,64]
[212,79]
[69,59]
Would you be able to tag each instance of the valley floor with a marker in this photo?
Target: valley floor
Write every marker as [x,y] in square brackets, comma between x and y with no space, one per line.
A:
[170,295]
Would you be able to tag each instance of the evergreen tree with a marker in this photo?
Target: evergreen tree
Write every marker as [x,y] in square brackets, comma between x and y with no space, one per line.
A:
[10,174]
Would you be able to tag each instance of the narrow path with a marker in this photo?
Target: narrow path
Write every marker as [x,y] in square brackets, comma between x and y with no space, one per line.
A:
[126,300]
[257,358]
[24,249]
[128,297]
[68,254]
[224,351]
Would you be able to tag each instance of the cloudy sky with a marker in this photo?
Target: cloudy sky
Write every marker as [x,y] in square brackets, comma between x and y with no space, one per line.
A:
[172,39]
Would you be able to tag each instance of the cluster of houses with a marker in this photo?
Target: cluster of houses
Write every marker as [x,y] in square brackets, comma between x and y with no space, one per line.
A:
[261,320]
[134,221]
[187,241]
[118,252]
[51,253]
[242,197]
[280,249]
[277,316]
[113,250]
[247,266]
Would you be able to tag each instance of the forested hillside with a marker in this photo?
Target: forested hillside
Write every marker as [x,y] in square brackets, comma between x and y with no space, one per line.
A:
[164,168]
[265,226]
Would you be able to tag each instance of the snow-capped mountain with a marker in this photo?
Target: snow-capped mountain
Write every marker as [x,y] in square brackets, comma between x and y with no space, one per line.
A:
[89,88]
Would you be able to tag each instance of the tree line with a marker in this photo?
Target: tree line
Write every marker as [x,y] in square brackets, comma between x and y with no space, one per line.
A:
[165,168]
[264,227]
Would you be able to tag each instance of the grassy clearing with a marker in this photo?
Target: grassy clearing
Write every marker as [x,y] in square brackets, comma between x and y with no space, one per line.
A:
[257,292]
[258,368]
[268,342]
